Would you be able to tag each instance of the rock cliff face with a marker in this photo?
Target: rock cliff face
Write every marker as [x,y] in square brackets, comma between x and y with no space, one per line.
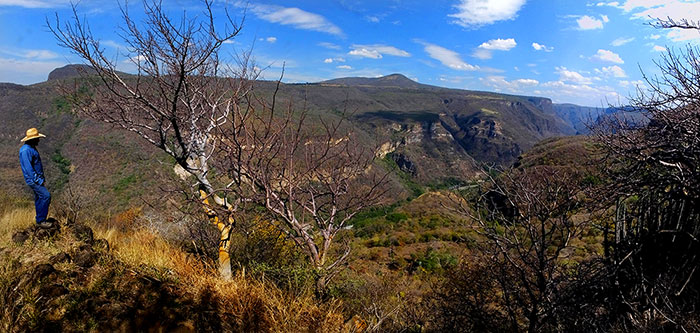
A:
[443,133]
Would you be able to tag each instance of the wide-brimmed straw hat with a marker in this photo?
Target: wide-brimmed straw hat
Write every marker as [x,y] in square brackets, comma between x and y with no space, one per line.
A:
[32,133]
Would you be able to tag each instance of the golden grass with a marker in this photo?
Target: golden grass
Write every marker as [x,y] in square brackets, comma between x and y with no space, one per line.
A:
[275,309]
[14,220]
[246,302]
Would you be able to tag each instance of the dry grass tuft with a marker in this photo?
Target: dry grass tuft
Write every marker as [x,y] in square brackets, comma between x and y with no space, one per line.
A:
[244,302]
[14,220]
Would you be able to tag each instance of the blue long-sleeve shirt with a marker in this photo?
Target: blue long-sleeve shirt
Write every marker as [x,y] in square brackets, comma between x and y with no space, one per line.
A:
[31,165]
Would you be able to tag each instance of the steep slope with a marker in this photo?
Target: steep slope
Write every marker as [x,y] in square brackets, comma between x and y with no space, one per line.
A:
[436,133]
[109,167]
[579,117]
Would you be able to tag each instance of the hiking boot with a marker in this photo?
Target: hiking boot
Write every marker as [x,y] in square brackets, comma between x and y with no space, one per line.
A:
[45,225]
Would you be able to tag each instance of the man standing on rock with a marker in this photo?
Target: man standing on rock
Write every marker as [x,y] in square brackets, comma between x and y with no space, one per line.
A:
[34,175]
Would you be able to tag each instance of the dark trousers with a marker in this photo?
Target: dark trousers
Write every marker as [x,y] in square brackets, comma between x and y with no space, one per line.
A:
[42,200]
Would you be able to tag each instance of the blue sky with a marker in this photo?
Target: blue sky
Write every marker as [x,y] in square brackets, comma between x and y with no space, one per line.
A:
[576,51]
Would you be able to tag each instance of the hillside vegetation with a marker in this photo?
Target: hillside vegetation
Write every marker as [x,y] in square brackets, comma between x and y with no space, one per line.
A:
[87,277]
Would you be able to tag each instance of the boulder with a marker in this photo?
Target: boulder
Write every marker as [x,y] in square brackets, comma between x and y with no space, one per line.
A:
[53,290]
[85,258]
[83,233]
[41,271]
[20,237]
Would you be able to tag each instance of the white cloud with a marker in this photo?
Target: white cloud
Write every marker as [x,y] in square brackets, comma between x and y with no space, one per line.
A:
[683,35]
[614,70]
[34,3]
[621,41]
[372,19]
[30,54]
[116,45]
[271,39]
[658,48]
[330,60]
[499,44]
[580,93]
[542,47]
[664,9]
[605,18]
[343,67]
[26,71]
[448,57]
[609,56]
[675,9]
[637,84]
[499,83]
[367,53]
[329,45]
[376,51]
[295,17]
[40,54]
[484,50]
[589,23]
[572,76]
[654,37]
[476,13]
[482,54]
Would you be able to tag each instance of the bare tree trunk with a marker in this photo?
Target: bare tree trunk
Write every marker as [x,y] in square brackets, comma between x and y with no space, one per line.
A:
[224,257]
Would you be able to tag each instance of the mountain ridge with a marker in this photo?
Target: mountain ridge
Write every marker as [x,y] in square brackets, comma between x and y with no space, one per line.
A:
[431,134]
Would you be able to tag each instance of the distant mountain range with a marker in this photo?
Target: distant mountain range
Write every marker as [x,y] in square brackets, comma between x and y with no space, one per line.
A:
[432,134]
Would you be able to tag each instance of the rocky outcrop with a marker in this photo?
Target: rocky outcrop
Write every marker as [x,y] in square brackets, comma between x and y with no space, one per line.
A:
[70,71]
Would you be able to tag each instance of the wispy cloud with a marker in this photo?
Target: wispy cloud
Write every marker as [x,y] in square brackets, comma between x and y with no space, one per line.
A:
[589,23]
[26,71]
[30,54]
[343,67]
[608,56]
[330,46]
[295,17]
[566,75]
[376,51]
[663,9]
[582,94]
[331,60]
[34,3]
[621,41]
[476,13]
[447,57]
[657,48]
[683,35]
[499,83]
[615,71]
[542,47]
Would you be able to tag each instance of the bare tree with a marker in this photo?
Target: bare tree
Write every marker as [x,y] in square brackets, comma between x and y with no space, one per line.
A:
[653,161]
[180,94]
[528,219]
[312,178]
